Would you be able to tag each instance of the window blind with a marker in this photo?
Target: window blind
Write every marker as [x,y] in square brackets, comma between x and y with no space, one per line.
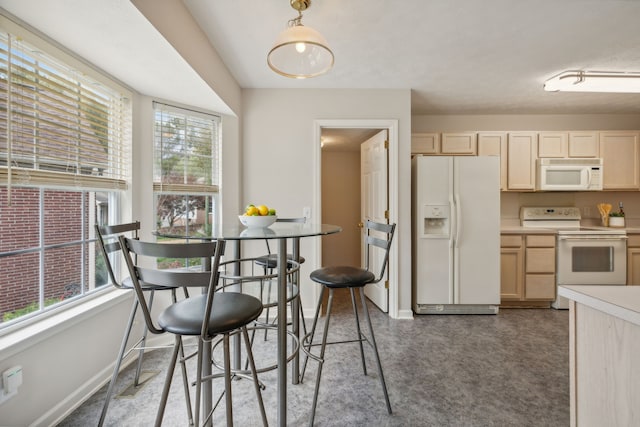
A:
[59,126]
[186,151]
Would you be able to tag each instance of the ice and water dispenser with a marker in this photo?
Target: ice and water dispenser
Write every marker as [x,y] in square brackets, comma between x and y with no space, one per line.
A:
[436,221]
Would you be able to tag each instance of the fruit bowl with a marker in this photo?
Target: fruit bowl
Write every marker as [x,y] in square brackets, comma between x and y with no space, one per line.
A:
[257,221]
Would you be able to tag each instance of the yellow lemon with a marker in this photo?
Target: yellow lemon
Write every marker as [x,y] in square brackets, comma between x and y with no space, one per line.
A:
[263,210]
[251,210]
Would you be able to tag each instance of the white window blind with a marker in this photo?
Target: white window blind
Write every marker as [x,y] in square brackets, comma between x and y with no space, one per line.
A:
[186,151]
[58,126]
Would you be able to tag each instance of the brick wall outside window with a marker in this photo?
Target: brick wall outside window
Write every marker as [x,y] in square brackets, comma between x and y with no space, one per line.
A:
[20,230]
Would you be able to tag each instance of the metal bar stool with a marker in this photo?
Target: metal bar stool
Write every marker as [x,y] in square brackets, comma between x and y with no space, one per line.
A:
[340,277]
[206,316]
[107,237]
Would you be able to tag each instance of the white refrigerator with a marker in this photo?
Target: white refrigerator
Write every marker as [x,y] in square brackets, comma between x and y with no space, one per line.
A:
[456,234]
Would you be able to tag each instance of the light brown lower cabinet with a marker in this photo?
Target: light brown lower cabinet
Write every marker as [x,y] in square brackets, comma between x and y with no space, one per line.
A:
[527,269]
[633,259]
[511,267]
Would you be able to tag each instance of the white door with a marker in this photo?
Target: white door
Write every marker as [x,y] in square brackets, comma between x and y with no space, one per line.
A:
[374,205]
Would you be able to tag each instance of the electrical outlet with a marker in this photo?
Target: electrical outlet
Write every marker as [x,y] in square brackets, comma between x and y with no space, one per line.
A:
[11,380]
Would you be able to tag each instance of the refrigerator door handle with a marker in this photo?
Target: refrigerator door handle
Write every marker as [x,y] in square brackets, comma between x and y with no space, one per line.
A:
[458,220]
[456,251]
[453,251]
[453,219]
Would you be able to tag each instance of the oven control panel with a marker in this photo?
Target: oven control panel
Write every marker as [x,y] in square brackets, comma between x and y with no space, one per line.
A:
[549,213]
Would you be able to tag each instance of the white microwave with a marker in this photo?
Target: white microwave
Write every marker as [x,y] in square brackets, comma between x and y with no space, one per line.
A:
[570,174]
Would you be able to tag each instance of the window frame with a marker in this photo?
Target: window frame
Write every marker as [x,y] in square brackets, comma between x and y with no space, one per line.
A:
[189,190]
[118,188]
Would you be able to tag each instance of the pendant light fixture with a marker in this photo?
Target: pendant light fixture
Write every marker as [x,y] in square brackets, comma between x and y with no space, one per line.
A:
[594,81]
[300,52]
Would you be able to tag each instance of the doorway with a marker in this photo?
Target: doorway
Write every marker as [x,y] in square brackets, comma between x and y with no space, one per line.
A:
[338,192]
[341,194]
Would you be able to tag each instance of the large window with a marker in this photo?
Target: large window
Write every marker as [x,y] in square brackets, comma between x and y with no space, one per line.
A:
[64,165]
[186,169]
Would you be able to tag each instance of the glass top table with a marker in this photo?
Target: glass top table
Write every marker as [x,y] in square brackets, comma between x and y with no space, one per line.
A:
[280,231]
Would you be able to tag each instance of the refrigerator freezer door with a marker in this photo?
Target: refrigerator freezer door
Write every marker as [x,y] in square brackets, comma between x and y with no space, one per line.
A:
[433,256]
[477,248]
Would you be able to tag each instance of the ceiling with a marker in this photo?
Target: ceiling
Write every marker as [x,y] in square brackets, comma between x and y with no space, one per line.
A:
[456,56]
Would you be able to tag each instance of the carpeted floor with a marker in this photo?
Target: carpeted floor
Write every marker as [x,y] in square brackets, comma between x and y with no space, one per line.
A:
[511,369]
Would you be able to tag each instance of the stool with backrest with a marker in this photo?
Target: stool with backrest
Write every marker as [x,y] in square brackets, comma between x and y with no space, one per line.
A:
[206,316]
[352,278]
[107,237]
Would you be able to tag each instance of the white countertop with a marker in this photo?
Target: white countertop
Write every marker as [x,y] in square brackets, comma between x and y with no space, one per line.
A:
[619,301]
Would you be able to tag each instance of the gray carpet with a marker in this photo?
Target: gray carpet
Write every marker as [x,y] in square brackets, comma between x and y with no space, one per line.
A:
[511,369]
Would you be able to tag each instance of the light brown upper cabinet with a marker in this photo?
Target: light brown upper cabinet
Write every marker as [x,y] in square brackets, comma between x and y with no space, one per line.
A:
[553,144]
[584,144]
[425,143]
[620,153]
[495,144]
[459,143]
[452,143]
[522,148]
[568,144]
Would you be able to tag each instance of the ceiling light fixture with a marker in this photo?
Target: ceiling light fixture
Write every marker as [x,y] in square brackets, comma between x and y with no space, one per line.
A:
[300,52]
[594,81]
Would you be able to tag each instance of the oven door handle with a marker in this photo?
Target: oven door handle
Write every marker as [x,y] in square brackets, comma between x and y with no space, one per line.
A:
[592,237]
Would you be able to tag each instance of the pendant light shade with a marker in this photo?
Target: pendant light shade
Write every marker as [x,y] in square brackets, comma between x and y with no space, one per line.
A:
[300,52]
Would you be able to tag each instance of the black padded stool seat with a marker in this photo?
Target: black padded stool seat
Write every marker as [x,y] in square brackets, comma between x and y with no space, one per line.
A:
[230,311]
[271,260]
[342,276]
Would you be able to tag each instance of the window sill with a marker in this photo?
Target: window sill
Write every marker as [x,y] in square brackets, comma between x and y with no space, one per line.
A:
[20,336]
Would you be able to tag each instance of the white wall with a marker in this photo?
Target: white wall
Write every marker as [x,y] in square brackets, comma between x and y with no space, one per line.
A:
[279,165]
[173,20]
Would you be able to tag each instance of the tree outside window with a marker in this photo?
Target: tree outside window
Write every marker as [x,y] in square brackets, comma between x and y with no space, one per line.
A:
[185,170]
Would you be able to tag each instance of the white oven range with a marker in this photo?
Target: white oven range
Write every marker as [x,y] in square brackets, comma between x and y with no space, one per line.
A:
[584,255]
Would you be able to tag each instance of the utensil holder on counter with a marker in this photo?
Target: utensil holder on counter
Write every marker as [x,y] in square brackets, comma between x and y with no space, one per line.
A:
[605,220]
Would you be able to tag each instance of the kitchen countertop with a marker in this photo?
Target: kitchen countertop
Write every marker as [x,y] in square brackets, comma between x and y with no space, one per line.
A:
[619,301]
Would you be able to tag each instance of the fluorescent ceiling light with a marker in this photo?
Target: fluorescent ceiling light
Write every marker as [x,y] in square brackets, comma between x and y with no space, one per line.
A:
[594,81]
